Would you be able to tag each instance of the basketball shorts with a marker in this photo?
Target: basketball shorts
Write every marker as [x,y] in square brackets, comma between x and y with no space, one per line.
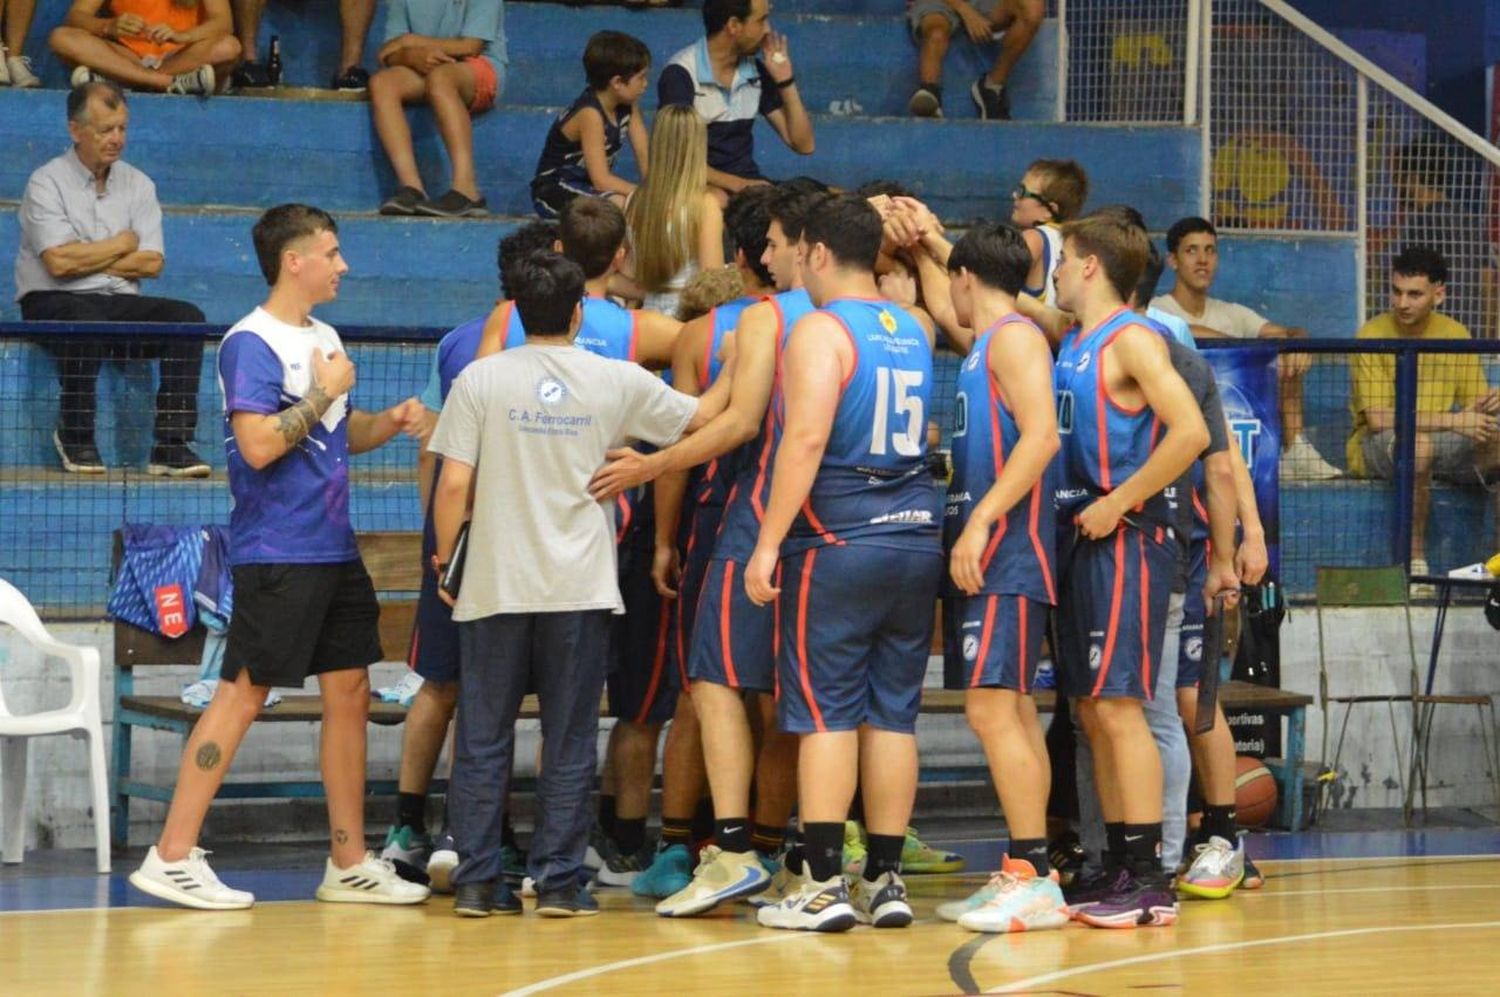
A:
[855,629]
[697,551]
[433,653]
[640,688]
[295,620]
[918,11]
[1194,612]
[1112,612]
[992,641]
[733,640]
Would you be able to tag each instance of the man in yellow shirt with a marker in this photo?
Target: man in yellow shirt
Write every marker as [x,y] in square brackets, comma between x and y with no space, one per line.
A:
[1458,434]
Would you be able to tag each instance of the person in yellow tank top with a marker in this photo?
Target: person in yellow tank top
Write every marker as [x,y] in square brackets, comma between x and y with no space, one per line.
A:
[1458,432]
[173,46]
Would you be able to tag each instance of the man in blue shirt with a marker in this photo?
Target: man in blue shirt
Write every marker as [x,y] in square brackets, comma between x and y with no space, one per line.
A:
[304,604]
[720,78]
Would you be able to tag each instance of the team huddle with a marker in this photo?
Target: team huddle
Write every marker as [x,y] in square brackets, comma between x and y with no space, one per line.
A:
[778,550]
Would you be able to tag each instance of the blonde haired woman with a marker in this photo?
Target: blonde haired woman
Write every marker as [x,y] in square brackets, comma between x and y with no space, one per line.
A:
[676,225]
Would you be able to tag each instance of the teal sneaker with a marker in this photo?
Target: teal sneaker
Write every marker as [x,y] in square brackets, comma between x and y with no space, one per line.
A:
[406,844]
[671,870]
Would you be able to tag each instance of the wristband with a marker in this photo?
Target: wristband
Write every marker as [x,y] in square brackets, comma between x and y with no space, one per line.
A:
[783,84]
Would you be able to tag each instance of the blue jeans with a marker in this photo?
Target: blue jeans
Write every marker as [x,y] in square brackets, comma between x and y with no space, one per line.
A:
[1176,762]
[562,656]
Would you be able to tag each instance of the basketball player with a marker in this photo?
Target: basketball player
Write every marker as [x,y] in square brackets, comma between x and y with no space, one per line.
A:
[1116,390]
[852,506]
[733,655]
[689,508]
[304,604]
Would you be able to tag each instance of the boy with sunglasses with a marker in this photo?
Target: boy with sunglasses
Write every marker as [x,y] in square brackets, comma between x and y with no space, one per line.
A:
[1051,191]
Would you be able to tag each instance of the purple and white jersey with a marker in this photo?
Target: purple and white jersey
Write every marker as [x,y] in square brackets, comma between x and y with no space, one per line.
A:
[296,509]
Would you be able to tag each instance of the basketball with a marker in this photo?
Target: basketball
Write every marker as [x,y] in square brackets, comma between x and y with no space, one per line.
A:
[1254,792]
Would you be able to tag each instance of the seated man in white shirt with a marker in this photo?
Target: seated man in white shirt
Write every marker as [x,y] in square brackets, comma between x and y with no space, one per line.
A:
[1192,251]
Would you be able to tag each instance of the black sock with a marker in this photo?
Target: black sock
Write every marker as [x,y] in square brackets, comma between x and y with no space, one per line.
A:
[1033,850]
[629,834]
[508,834]
[884,855]
[1218,820]
[703,820]
[795,860]
[823,847]
[676,831]
[607,815]
[411,811]
[1114,850]
[733,835]
[1143,848]
[857,807]
[767,839]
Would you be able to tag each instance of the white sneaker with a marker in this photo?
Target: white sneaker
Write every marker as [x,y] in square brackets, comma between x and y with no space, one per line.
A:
[372,881]
[198,81]
[528,887]
[720,877]
[1218,867]
[18,68]
[814,907]
[189,882]
[881,901]
[1301,462]
[441,863]
[403,691]
[784,882]
[82,75]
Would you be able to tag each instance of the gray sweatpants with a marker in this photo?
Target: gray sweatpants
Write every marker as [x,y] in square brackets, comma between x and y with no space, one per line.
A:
[563,657]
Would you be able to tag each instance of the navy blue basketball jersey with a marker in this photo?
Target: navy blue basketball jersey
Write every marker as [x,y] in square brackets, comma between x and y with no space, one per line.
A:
[873,486]
[456,350]
[1020,558]
[1103,443]
[749,466]
[607,329]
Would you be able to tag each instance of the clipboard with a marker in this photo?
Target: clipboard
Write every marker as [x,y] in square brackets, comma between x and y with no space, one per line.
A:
[453,575]
[1208,679]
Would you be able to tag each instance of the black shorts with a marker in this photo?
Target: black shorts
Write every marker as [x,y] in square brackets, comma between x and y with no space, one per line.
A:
[295,620]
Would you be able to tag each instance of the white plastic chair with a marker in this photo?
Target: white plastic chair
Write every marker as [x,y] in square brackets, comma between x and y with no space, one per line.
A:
[80,718]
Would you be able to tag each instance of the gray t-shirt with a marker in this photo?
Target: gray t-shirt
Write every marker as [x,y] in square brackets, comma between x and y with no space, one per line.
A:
[535,422]
[1195,369]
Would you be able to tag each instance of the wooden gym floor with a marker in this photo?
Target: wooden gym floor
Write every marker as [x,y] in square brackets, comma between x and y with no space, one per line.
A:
[1386,912]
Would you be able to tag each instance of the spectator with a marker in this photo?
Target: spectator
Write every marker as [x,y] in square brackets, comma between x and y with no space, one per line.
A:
[355,17]
[676,225]
[90,233]
[1193,251]
[1051,191]
[578,159]
[526,429]
[933,23]
[15,68]
[1458,435]
[720,78]
[175,46]
[451,56]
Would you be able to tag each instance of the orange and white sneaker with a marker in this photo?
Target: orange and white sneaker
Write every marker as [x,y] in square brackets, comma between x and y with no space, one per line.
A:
[1018,900]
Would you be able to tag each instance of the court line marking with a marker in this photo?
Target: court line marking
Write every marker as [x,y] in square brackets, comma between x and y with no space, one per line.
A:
[646,960]
[1432,888]
[1063,974]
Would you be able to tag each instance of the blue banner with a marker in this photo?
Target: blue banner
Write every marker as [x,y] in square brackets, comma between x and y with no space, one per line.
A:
[1249,387]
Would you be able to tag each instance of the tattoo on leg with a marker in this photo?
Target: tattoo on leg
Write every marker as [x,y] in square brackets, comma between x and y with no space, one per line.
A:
[340,836]
[208,757]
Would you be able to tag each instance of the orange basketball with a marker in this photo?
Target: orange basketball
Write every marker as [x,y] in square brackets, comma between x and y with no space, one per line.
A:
[1254,792]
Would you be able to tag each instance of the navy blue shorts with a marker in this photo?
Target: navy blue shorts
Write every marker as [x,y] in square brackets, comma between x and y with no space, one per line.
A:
[1194,612]
[433,653]
[640,689]
[733,642]
[1112,612]
[855,627]
[697,550]
[992,641]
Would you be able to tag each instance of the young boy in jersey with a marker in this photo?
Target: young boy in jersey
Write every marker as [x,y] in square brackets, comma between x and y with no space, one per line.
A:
[578,158]
[1116,391]
[689,508]
[731,654]
[852,505]
[304,604]
[1051,193]
[433,655]
[998,530]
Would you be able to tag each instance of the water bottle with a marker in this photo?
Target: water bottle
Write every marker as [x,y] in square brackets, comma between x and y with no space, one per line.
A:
[273,62]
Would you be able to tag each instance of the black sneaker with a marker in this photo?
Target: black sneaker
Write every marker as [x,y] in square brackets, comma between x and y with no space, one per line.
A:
[250,75]
[78,458]
[403,202]
[1065,854]
[352,80]
[566,903]
[993,102]
[454,205]
[927,101]
[474,899]
[1092,887]
[620,869]
[176,460]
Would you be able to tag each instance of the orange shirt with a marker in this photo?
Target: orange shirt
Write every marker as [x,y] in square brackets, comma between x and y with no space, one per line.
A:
[168,12]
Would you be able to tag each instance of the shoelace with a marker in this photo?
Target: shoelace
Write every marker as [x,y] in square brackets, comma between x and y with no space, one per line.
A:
[197,861]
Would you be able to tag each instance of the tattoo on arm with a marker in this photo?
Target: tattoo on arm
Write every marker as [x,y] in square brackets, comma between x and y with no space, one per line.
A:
[208,757]
[297,420]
